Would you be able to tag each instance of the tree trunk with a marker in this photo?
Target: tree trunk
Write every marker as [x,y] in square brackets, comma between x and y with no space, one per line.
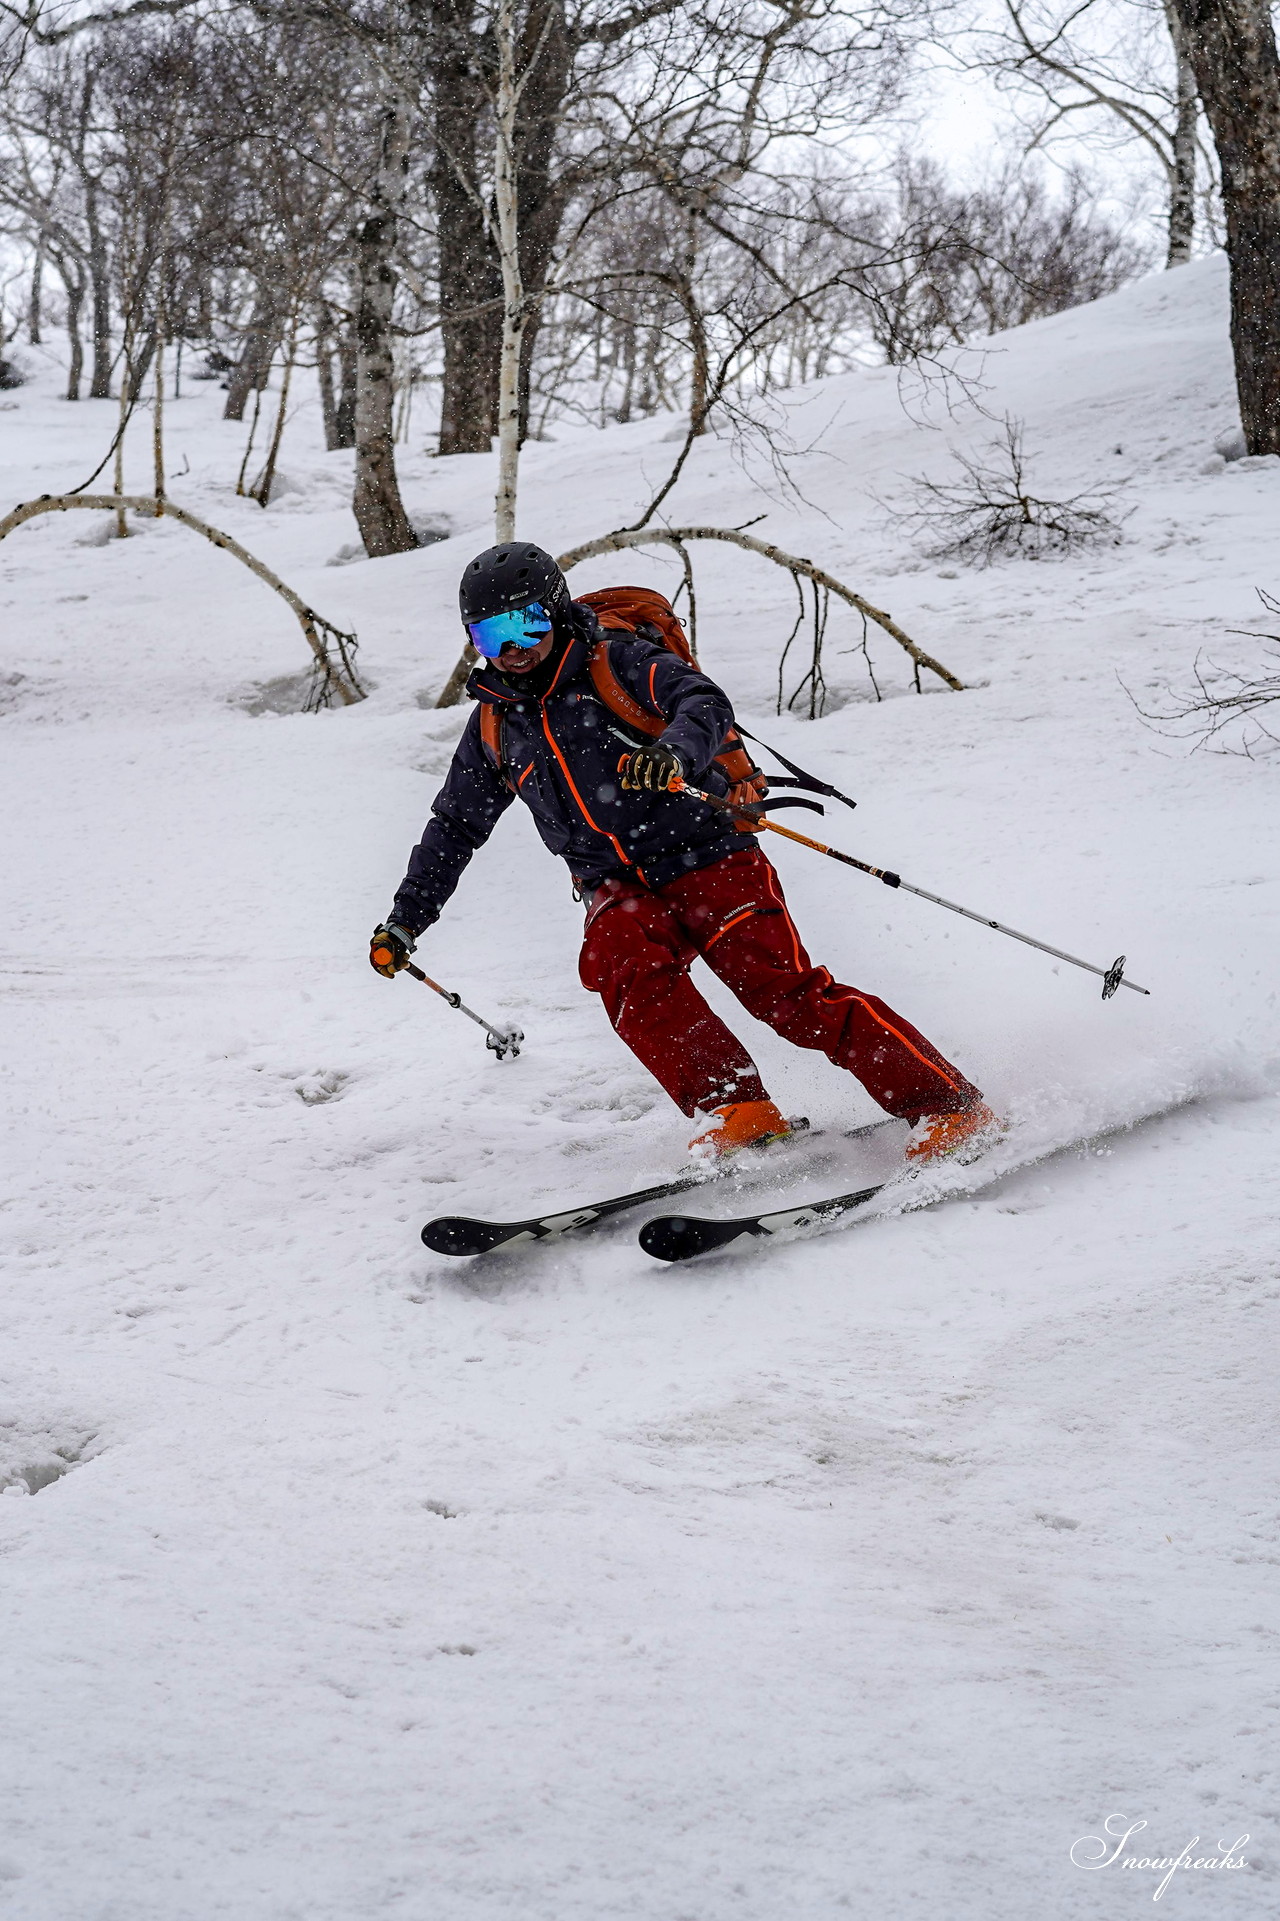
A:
[1182,186]
[1232,48]
[100,282]
[74,284]
[136,370]
[470,277]
[122,523]
[338,405]
[506,199]
[157,419]
[253,369]
[261,492]
[379,511]
[471,284]
[546,62]
[470,328]
[345,419]
[37,288]
[700,355]
[324,375]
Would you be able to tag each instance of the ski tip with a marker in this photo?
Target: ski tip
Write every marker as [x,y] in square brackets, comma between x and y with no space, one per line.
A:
[455,1234]
[677,1237]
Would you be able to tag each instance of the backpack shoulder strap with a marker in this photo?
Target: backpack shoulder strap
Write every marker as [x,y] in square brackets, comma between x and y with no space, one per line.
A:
[733,756]
[615,696]
[491,732]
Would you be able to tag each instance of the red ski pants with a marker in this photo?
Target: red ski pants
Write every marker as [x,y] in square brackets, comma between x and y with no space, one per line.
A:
[638,947]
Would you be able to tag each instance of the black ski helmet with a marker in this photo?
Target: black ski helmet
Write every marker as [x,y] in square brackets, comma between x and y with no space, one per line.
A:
[511,576]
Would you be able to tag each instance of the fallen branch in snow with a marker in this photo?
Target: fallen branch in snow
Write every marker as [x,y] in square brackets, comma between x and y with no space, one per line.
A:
[676,537]
[795,565]
[334,666]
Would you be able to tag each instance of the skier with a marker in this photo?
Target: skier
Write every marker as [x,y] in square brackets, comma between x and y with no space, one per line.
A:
[664,878]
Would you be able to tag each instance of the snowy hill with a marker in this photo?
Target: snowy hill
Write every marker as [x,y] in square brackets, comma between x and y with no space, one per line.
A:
[865,1574]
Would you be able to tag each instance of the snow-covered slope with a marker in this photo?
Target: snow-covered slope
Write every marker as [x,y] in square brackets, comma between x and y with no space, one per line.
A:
[862,1575]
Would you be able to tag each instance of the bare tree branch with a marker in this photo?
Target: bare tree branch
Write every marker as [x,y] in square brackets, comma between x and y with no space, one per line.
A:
[333,675]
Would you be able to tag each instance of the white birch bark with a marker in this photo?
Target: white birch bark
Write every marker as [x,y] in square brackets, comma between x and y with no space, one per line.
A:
[1182,174]
[376,503]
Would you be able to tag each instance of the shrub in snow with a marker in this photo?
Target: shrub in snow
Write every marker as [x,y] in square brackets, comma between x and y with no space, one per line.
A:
[1222,710]
[11,374]
[990,511]
[1232,444]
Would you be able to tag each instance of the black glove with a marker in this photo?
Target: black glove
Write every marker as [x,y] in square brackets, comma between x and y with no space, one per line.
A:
[650,768]
[389,950]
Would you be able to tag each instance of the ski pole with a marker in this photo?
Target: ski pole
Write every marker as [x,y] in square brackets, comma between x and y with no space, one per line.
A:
[1112,977]
[502,1040]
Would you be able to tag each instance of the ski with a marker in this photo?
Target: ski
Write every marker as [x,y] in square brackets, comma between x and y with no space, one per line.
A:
[677,1237]
[460,1234]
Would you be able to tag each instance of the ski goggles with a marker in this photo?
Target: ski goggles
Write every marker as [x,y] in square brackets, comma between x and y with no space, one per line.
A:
[520,627]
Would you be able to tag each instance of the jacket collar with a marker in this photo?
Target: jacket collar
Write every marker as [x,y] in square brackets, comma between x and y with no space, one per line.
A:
[487,684]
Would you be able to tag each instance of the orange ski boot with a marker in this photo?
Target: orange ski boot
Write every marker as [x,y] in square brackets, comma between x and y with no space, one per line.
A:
[739,1124]
[963,1136]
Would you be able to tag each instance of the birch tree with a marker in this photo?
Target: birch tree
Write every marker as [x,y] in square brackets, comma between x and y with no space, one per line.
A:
[379,511]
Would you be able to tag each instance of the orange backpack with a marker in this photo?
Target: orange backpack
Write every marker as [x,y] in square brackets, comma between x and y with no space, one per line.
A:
[650,615]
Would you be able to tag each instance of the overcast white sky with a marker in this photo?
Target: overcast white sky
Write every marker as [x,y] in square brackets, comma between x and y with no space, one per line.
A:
[969,125]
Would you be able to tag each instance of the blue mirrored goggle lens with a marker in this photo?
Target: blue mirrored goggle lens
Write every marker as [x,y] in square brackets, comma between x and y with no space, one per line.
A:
[521,627]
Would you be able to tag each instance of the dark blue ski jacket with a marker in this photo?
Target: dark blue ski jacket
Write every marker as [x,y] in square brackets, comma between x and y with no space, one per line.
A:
[561,752]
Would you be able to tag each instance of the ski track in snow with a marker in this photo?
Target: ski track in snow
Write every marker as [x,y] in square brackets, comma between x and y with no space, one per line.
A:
[862,1574]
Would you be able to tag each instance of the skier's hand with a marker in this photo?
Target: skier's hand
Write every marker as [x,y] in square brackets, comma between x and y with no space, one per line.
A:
[650,769]
[389,950]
